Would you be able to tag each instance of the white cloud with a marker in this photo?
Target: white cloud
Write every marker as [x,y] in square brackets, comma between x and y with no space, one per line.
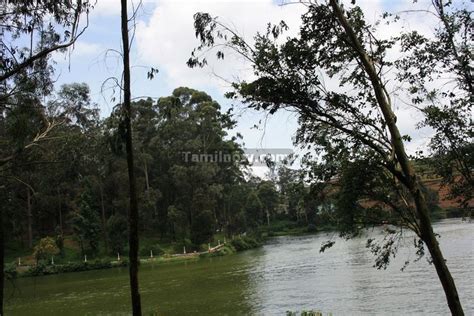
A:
[167,38]
[106,7]
[83,48]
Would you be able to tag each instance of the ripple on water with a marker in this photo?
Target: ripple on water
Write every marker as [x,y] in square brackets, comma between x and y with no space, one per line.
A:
[288,273]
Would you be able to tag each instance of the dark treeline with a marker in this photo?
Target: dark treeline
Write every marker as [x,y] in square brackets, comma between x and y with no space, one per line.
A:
[74,181]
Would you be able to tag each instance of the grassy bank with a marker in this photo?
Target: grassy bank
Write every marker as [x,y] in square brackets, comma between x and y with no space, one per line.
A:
[72,260]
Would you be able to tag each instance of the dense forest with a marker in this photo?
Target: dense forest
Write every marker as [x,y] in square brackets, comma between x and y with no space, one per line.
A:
[74,182]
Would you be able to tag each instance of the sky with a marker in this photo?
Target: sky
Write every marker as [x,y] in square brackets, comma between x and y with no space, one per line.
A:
[164,38]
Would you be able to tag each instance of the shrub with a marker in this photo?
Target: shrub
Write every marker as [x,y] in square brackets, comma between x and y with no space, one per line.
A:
[157,250]
[10,271]
[40,269]
[179,246]
[43,269]
[45,248]
[244,243]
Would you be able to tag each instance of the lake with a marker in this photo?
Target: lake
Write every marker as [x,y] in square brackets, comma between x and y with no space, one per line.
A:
[288,273]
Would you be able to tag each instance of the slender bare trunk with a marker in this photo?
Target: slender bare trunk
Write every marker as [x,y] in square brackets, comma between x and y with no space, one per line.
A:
[147,182]
[133,212]
[29,218]
[2,263]
[408,177]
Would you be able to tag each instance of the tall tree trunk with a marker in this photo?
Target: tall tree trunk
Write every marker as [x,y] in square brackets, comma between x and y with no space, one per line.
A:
[133,212]
[439,262]
[104,222]
[29,218]
[60,213]
[147,181]
[2,263]
[409,178]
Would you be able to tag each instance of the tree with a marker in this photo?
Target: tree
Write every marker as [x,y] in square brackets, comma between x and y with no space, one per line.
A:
[448,106]
[30,19]
[202,229]
[127,122]
[39,23]
[358,114]
[253,210]
[117,229]
[45,249]
[85,222]
[292,190]
[268,196]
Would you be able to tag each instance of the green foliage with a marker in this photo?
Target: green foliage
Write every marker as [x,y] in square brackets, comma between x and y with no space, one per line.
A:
[202,228]
[179,246]
[268,196]
[244,243]
[10,271]
[253,210]
[44,269]
[59,240]
[117,231]
[45,248]
[85,222]
[145,250]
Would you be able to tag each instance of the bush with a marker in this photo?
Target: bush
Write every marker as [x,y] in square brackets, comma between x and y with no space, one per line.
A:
[157,250]
[43,269]
[45,248]
[10,271]
[179,246]
[244,243]
[40,269]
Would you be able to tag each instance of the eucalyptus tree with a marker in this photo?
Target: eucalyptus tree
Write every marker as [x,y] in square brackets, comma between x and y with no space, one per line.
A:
[447,106]
[45,26]
[190,125]
[268,196]
[355,117]
[24,127]
[292,189]
[85,222]
[29,32]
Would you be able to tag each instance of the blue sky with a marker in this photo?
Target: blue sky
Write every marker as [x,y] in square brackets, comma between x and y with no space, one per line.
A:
[165,38]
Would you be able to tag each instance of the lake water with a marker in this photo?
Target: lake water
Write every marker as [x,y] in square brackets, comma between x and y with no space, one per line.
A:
[288,273]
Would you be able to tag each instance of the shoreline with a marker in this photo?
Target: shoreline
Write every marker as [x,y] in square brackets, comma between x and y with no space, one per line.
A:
[26,271]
